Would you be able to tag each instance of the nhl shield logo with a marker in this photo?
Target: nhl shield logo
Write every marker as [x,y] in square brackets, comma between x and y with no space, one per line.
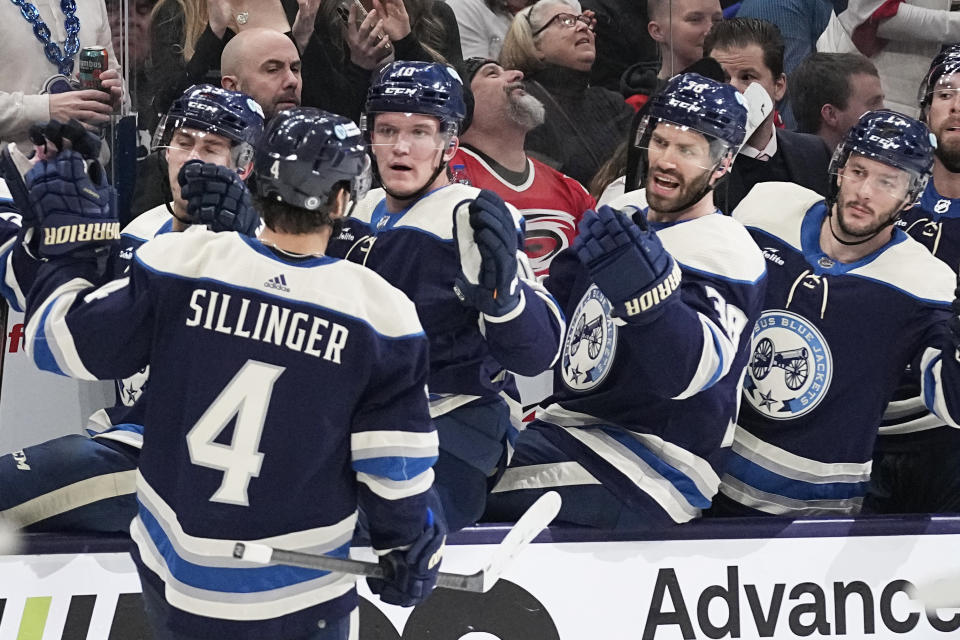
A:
[790,366]
[590,343]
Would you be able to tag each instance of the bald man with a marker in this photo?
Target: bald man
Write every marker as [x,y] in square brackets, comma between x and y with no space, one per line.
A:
[679,27]
[265,65]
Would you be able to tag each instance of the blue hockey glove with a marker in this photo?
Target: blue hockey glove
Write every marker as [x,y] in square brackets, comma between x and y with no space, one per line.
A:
[412,573]
[77,216]
[217,197]
[487,240]
[627,263]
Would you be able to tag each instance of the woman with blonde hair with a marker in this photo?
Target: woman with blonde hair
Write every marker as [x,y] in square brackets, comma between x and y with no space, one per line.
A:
[553,43]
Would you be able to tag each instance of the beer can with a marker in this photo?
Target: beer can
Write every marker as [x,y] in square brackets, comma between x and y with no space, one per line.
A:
[93,60]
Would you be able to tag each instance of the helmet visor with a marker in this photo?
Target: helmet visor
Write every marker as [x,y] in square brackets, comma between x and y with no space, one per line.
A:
[195,139]
[861,171]
[661,140]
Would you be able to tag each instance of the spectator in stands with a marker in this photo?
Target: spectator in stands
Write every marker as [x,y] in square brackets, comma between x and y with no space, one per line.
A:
[135,56]
[264,64]
[899,36]
[424,30]
[23,101]
[188,37]
[260,62]
[679,27]
[491,156]
[831,91]
[751,50]
[483,24]
[622,39]
[800,22]
[552,43]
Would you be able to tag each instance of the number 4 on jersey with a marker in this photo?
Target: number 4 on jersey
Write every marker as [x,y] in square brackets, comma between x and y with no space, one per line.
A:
[246,396]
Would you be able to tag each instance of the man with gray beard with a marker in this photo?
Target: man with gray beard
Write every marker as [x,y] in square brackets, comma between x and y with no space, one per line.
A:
[491,156]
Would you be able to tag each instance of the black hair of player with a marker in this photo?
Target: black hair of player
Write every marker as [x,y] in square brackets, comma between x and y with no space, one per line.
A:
[283,217]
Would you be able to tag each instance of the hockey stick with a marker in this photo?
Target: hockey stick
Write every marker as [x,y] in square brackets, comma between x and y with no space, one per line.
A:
[531,523]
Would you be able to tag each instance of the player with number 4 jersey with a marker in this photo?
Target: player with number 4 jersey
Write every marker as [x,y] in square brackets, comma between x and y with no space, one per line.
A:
[287,389]
[659,303]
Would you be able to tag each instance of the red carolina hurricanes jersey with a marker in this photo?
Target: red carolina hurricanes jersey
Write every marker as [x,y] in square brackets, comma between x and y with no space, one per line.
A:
[551,202]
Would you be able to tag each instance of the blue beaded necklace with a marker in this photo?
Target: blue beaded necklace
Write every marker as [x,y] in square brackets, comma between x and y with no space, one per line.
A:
[64,59]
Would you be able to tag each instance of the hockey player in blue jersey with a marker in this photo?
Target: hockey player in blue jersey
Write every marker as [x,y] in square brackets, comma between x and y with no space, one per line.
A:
[79,483]
[659,302]
[457,253]
[917,456]
[851,301]
[286,389]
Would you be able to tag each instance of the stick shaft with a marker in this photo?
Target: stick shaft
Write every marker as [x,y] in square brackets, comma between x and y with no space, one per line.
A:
[445,580]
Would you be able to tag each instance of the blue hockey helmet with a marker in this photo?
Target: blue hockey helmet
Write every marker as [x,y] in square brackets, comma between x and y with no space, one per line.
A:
[715,109]
[895,140]
[305,153]
[428,88]
[942,68]
[692,102]
[208,109]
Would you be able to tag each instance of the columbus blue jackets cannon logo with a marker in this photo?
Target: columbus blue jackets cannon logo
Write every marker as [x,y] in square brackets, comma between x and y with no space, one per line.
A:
[790,366]
[590,343]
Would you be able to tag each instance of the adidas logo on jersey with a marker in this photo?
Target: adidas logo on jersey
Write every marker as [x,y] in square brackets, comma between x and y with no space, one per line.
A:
[279,282]
[127,254]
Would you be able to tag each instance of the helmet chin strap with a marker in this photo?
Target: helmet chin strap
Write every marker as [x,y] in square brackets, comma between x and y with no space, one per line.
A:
[854,243]
[163,168]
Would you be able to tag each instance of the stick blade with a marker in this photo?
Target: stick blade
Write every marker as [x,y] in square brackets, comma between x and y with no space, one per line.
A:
[540,514]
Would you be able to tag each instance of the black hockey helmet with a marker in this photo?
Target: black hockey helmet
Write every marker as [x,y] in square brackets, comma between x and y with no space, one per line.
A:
[305,153]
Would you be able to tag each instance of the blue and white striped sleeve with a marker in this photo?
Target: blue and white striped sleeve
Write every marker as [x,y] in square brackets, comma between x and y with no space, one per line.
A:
[939,370]
[393,442]
[79,330]
[527,340]
[696,339]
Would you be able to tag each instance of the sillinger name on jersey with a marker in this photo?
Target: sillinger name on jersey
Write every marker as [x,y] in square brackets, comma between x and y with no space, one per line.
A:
[224,313]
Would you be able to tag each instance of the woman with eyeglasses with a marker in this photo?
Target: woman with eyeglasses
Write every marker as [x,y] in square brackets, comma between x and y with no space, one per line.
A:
[553,43]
